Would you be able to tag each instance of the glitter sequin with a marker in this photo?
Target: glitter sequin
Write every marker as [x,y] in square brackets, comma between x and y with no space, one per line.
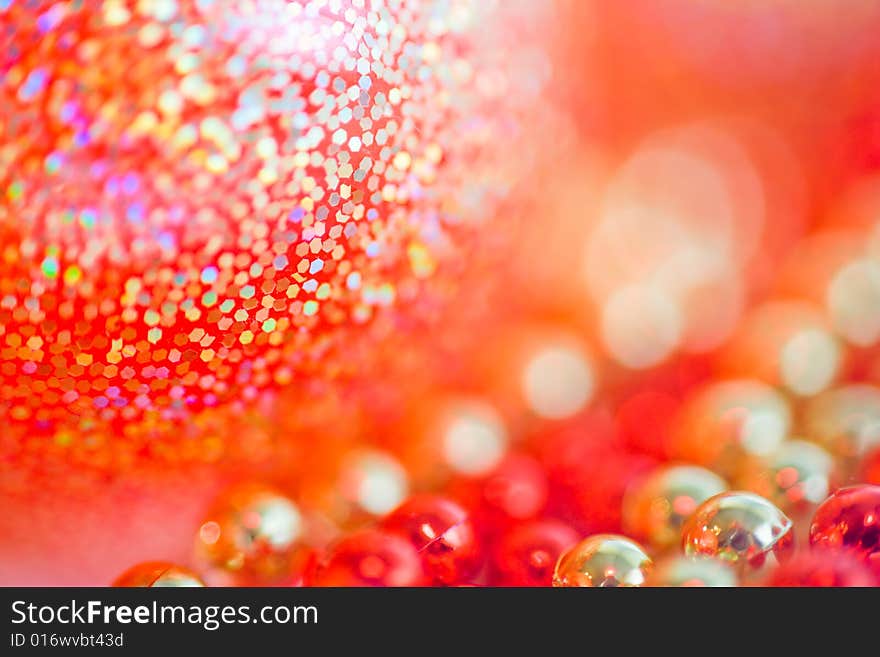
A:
[208,194]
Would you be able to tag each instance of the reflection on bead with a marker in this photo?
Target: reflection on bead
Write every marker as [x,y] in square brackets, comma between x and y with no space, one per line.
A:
[692,572]
[656,508]
[371,558]
[798,475]
[603,560]
[738,527]
[158,574]
[253,533]
[823,568]
[442,533]
[527,555]
[850,520]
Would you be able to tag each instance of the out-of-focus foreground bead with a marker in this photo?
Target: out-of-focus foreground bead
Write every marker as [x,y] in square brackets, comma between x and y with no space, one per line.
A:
[158,574]
[527,554]
[253,535]
[796,477]
[738,527]
[603,560]
[849,520]
[656,508]
[442,533]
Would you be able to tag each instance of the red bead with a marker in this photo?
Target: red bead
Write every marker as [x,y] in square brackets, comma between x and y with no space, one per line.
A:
[527,555]
[821,568]
[515,491]
[371,558]
[850,520]
[443,534]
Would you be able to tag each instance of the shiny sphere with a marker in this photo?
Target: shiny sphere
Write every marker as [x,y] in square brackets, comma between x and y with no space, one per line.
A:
[158,574]
[738,527]
[443,534]
[254,535]
[845,420]
[603,560]
[849,520]
[527,555]
[681,571]
[728,422]
[371,558]
[655,508]
[797,475]
[822,568]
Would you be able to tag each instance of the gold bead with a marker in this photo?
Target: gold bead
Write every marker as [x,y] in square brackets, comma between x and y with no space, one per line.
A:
[738,527]
[603,560]
[655,508]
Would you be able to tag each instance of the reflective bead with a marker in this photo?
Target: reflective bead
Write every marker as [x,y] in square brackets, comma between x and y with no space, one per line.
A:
[681,571]
[845,420]
[371,558]
[726,422]
[655,508]
[796,476]
[527,555]
[738,527]
[158,574]
[603,560]
[850,520]
[442,533]
[253,535]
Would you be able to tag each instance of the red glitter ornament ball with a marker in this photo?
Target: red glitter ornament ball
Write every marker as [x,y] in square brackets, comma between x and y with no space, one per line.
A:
[822,568]
[443,534]
[849,520]
[371,558]
[527,555]
[196,198]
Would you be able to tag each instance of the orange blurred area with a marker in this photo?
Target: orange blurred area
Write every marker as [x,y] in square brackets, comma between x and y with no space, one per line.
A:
[689,264]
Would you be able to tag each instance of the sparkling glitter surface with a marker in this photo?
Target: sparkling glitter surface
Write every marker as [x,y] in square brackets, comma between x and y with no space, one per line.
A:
[200,198]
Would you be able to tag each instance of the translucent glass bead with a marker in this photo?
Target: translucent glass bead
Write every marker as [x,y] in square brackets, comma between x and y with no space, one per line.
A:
[681,571]
[158,574]
[603,560]
[797,476]
[655,508]
[738,527]
[371,558]
[850,520]
[443,534]
[253,534]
